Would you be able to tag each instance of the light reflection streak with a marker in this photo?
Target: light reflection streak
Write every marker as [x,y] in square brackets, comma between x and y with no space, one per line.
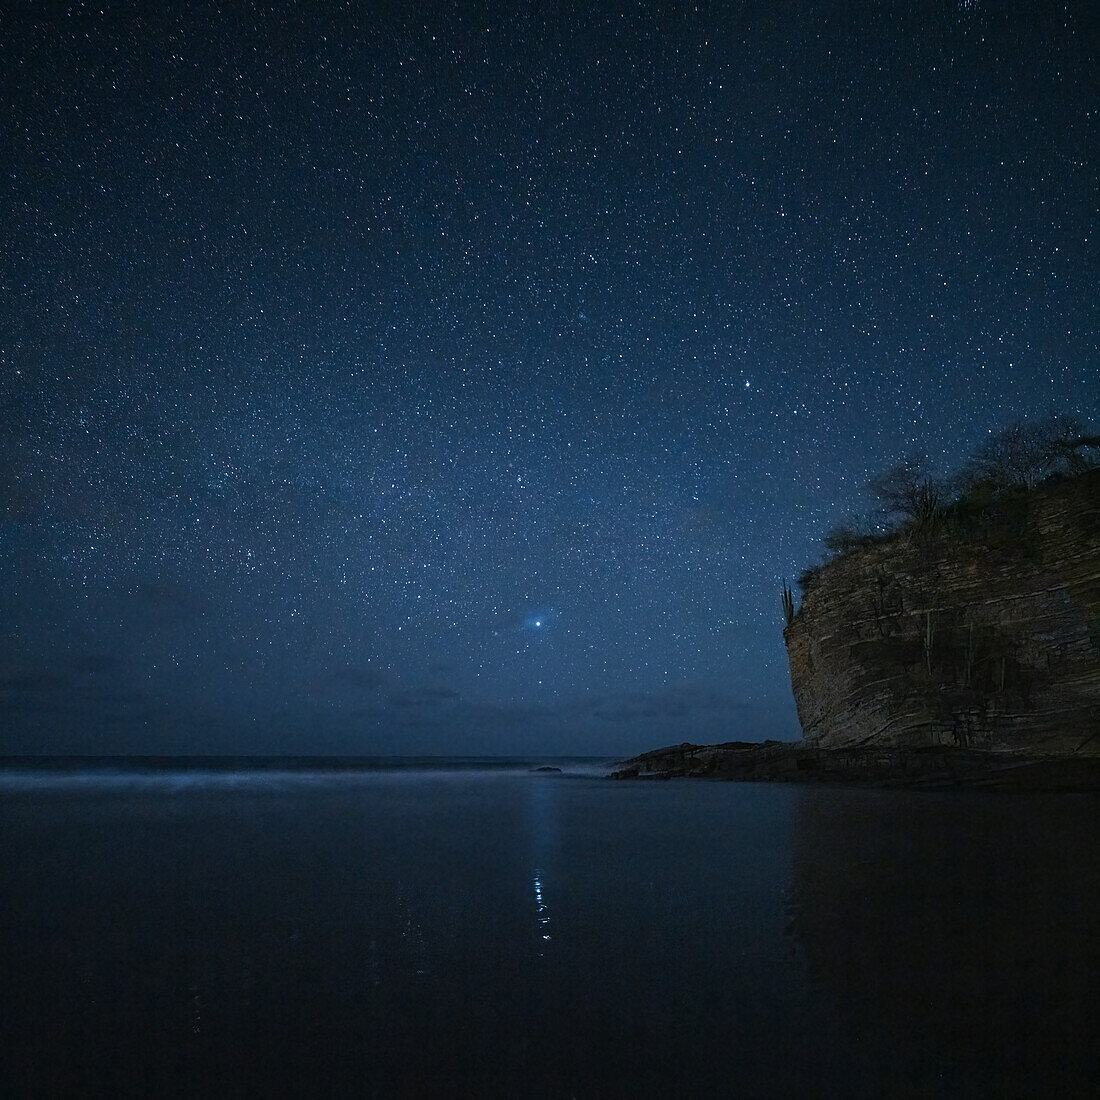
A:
[543,796]
[541,910]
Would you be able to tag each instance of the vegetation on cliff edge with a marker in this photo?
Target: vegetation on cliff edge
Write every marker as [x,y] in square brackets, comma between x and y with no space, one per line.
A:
[911,503]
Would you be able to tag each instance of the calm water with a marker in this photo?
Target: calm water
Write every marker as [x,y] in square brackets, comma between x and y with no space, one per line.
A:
[466,933]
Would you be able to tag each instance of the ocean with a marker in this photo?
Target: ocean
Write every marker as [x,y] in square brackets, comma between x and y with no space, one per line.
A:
[466,928]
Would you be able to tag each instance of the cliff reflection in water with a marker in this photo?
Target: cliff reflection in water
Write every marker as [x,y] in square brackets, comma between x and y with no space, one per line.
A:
[386,934]
[957,935]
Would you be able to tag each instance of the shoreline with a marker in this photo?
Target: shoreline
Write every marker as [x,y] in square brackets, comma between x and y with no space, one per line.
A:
[934,767]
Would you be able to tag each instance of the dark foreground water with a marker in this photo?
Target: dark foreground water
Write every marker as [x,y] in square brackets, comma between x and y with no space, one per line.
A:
[499,933]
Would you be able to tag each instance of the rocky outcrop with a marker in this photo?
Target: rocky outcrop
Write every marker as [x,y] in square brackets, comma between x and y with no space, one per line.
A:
[982,635]
[925,768]
[965,656]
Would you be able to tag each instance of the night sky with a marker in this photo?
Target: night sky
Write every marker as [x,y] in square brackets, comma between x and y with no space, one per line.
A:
[465,379]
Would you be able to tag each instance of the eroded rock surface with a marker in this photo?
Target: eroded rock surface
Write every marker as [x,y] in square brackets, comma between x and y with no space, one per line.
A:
[985,637]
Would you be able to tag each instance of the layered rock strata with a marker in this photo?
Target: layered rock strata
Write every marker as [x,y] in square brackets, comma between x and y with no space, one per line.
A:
[984,634]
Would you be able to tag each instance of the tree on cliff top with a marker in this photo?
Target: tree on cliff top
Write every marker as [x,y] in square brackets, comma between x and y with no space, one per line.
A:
[907,493]
[1024,454]
[912,502]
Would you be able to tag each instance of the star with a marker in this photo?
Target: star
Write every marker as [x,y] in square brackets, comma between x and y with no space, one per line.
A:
[438,374]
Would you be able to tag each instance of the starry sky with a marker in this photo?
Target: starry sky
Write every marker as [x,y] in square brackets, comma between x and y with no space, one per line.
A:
[466,378]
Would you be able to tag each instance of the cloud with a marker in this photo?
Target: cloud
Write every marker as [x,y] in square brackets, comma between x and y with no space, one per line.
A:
[393,707]
[424,697]
[387,693]
[82,692]
[163,595]
[76,672]
[443,708]
[93,664]
[35,683]
[349,683]
[676,701]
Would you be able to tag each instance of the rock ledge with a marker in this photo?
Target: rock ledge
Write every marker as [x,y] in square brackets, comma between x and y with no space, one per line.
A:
[925,768]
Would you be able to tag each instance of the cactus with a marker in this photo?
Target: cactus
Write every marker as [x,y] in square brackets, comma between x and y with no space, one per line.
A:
[969,655]
[927,507]
[788,603]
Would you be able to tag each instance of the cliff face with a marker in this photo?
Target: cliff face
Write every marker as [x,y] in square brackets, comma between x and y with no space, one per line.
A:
[985,635]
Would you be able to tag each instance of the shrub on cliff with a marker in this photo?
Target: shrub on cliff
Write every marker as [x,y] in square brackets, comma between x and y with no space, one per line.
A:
[806,578]
[1027,453]
[992,487]
[907,493]
[842,538]
[854,534]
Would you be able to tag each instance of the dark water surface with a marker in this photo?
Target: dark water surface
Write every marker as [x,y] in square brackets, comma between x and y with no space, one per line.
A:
[500,933]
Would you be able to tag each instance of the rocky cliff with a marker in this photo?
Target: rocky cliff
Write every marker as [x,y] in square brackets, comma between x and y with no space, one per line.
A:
[983,633]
